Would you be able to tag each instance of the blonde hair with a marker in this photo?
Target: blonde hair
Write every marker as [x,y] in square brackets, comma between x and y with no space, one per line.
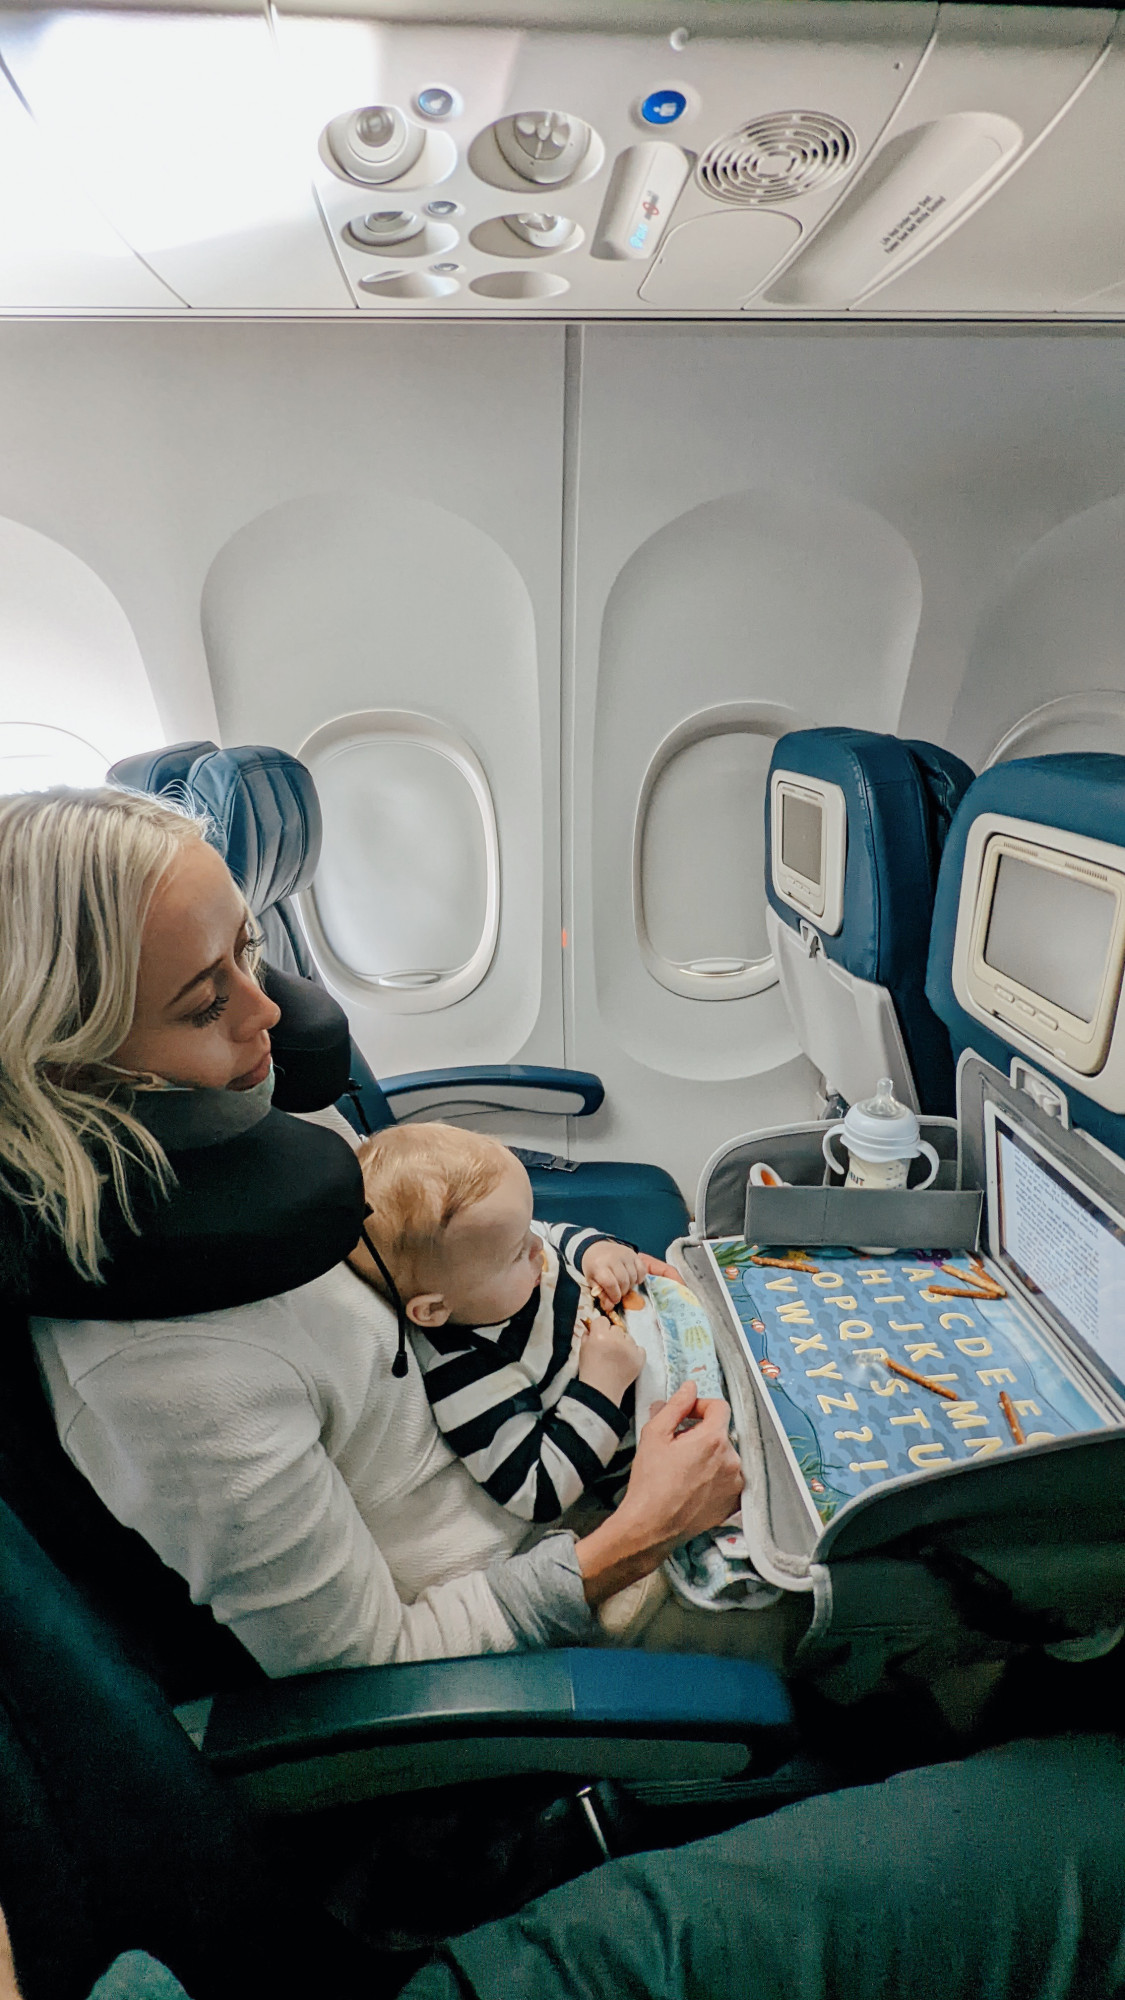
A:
[78,871]
[417,1178]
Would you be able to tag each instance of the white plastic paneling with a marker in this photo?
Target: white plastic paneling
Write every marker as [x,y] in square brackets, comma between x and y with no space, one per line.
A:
[1092,720]
[35,755]
[74,695]
[325,606]
[197,139]
[340,518]
[779,595]
[719,260]
[1054,232]
[1052,633]
[56,250]
[178,127]
[848,1027]
[407,894]
[1002,67]
[852,61]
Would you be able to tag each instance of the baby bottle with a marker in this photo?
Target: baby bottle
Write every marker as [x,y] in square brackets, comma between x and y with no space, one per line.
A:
[881,1136]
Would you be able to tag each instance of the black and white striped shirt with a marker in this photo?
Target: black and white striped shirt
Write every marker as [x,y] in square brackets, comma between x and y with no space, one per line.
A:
[508,1400]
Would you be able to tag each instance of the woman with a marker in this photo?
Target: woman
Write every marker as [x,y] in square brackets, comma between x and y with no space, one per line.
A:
[265,1451]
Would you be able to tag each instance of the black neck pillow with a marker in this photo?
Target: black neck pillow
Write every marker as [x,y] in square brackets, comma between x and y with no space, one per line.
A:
[248,1217]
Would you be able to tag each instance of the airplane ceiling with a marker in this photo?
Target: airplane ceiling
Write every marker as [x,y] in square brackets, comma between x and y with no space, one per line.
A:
[860,158]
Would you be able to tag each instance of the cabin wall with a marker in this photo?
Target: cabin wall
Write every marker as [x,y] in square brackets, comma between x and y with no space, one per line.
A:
[585,575]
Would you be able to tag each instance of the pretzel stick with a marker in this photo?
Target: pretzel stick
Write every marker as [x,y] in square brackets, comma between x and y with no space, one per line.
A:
[954,1292]
[977,1278]
[607,1311]
[923,1381]
[1010,1417]
[784,1263]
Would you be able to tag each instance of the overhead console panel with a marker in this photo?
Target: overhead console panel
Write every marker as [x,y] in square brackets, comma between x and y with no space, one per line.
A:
[815,158]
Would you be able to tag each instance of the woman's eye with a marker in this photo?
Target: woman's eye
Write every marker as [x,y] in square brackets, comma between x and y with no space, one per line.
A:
[211,1013]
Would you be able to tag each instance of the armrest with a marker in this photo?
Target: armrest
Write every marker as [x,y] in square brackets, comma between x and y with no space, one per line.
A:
[571,1093]
[334,1738]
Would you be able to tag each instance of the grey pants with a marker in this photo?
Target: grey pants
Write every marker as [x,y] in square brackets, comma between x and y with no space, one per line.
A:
[1000,1878]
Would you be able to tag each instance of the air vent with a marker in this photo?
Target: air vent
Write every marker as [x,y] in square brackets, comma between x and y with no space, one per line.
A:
[774,158]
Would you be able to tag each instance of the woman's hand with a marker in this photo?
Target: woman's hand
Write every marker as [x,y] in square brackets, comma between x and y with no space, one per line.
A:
[682,1482]
[615,1269]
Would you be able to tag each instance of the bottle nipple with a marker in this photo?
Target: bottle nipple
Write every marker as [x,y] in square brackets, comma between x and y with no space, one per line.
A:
[884,1104]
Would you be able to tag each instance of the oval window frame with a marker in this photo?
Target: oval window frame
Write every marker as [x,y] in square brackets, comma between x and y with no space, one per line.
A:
[745,718]
[455,984]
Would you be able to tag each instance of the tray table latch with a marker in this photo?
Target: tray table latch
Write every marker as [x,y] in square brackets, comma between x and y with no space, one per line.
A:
[1049,1096]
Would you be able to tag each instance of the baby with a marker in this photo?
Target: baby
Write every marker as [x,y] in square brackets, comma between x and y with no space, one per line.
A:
[529,1383]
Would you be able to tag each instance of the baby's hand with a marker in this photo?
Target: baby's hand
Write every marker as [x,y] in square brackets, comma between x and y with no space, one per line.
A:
[615,1269]
[609,1359]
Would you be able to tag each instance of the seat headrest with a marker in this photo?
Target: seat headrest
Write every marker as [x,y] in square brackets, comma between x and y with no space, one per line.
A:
[158,770]
[1078,793]
[261,803]
[899,799]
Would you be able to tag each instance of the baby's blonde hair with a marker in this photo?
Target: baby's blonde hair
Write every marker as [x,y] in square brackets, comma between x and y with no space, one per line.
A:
[78,871]
[417,1178]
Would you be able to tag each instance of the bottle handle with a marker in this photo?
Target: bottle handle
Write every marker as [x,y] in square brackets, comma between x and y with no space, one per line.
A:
[925,1147]
[826,1149]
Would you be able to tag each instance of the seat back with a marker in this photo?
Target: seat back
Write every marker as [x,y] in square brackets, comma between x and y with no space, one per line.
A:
[114,1834]
[121,1577]
[264,818]
[855,826]
[1028,935]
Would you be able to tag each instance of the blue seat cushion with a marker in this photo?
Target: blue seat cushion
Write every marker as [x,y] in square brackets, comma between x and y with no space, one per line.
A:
[639,1204]
[262,807]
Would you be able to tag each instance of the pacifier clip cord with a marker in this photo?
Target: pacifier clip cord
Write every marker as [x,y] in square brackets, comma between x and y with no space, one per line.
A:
[400,1365]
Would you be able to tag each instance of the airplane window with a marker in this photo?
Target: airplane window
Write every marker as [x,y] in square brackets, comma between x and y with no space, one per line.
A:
[407,891]
[34,756]
[701,865]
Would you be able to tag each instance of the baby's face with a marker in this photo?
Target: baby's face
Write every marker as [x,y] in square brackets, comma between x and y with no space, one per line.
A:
[492,1259]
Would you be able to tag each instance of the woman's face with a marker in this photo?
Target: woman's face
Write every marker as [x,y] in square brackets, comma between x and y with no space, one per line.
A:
[201,1017]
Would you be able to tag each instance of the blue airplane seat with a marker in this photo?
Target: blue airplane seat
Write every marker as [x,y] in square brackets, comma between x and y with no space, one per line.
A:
[1059,802]
[855,827]
[264,818]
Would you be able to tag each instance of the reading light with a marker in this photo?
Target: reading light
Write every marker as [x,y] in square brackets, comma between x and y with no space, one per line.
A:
[546,147]
[542,232]
[374,144]
[385,227]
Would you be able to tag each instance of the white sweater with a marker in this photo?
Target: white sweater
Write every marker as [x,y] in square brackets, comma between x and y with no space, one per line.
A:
[268,1454]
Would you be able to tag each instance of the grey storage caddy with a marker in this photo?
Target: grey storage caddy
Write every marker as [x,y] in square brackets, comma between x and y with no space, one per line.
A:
[1000,1531]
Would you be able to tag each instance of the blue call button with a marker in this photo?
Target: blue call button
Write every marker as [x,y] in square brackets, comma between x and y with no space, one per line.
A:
[663,107]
